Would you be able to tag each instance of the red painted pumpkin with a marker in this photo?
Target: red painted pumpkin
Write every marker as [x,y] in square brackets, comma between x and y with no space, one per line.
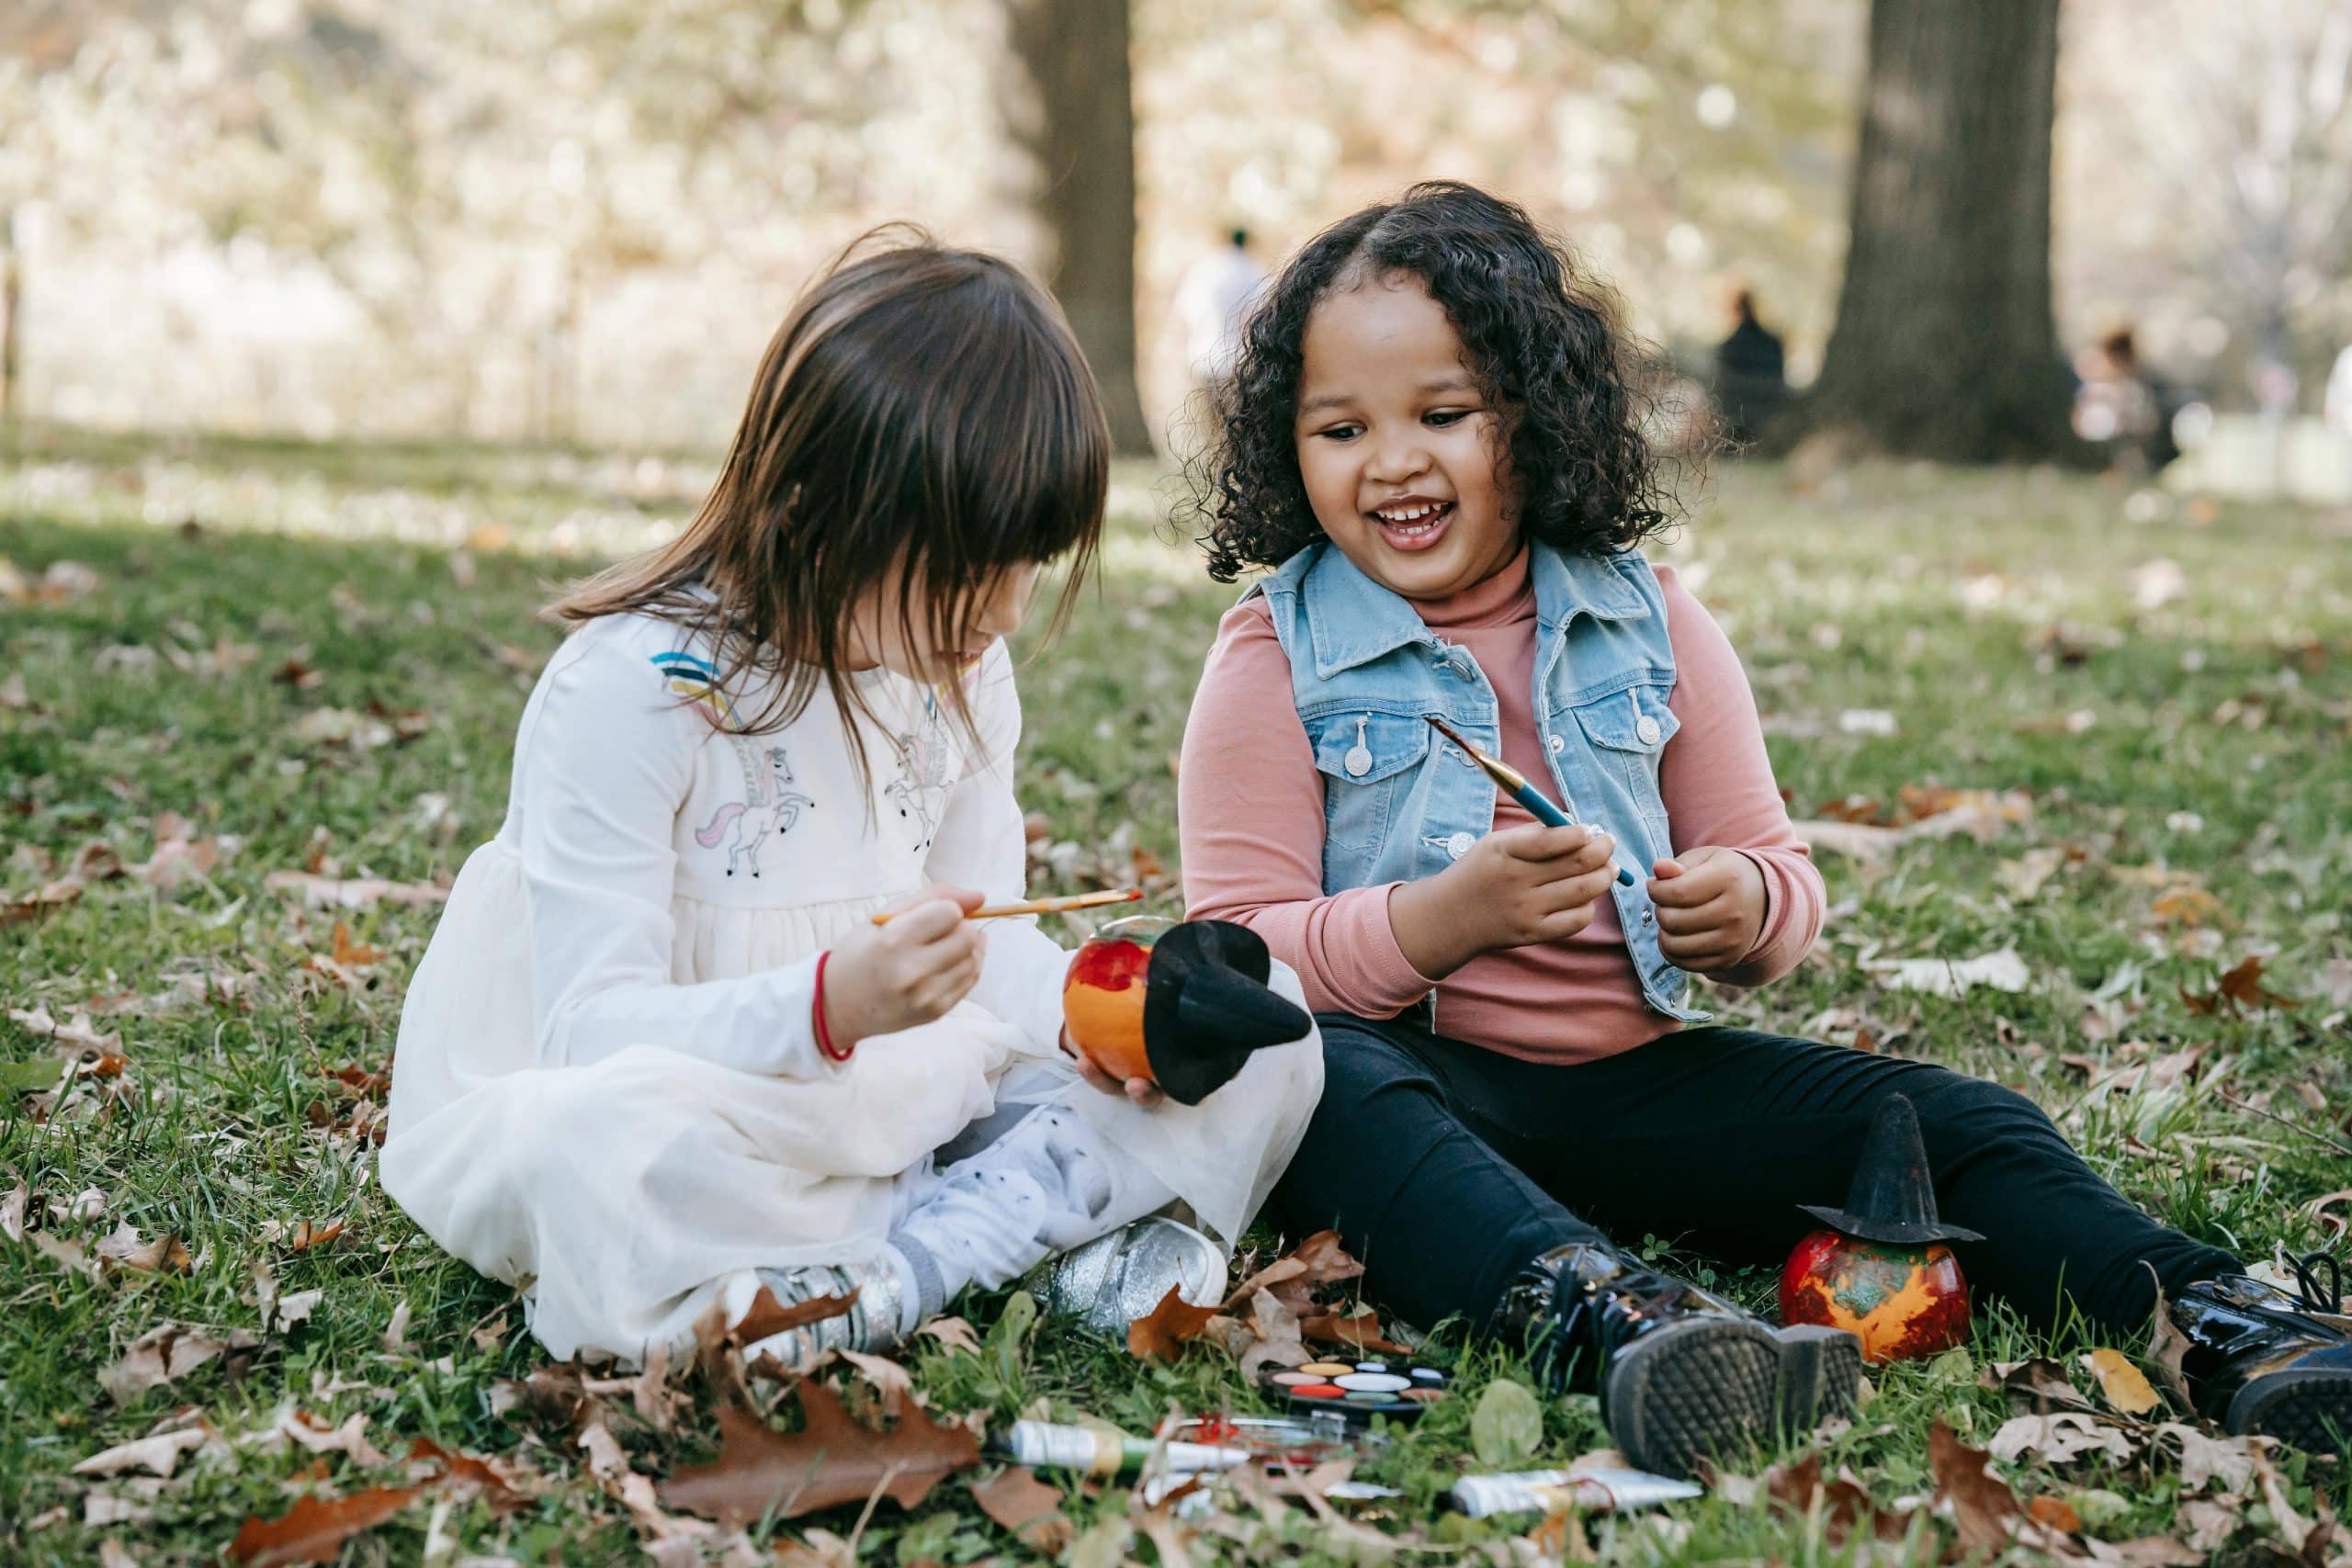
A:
[1903,1302]
[1103,992]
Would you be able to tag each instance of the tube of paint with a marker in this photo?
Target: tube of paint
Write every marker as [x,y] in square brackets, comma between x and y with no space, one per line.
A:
[1053,1446]
[1549,1491]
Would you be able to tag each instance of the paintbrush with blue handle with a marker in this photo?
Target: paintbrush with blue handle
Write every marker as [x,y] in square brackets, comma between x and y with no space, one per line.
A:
[1513,783]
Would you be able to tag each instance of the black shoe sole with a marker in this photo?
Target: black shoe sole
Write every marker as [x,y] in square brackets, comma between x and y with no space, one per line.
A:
[2302,1409]
[1821,1375]
[1716,1385]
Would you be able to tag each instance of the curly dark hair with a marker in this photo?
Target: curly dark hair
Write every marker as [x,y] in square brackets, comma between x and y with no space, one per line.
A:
[1574,389]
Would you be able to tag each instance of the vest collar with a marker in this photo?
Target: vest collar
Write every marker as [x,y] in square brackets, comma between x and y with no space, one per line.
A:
[1351,620]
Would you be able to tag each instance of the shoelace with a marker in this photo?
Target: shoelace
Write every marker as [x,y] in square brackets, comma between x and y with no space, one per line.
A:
[2307,1277]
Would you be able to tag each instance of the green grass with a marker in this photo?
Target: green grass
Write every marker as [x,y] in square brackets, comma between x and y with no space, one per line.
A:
[2199,742]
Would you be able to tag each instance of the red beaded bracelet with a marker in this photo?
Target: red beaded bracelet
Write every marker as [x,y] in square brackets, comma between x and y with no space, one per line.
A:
[816,1015]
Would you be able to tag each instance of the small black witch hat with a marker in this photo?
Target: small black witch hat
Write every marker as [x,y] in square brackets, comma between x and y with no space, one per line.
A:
[1206,1007]
[1892,1198]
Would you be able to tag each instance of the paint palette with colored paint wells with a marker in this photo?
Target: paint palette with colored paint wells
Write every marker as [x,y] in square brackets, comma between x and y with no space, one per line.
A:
[1357,1390]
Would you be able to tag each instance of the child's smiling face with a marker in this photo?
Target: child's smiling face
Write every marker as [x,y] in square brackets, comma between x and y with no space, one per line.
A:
[1398,447]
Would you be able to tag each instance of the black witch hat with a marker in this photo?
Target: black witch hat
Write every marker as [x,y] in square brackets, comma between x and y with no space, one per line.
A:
[1892,1198]
[1206,1007]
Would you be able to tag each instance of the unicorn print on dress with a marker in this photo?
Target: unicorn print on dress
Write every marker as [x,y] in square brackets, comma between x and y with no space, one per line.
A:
[925,761]
[768,805]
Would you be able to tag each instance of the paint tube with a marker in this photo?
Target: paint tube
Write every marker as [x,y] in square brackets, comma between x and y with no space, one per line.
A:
[1550,1491]
[1052,1446]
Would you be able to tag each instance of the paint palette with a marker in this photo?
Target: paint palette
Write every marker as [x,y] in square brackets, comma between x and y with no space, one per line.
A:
[1357,1390]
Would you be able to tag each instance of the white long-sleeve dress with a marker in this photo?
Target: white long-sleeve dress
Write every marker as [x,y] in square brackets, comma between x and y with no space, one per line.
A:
[607,1089]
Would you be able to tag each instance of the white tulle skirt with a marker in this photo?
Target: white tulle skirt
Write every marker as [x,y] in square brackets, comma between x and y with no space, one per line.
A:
[623,1197]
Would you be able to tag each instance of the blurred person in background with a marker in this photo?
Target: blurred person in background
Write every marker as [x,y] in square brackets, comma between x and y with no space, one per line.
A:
[1211,303]
[2118,407]
[2337,408]
[1751,372]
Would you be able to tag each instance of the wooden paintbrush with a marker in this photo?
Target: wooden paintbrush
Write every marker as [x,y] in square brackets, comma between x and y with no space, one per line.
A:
[1514,783]
[1041,905]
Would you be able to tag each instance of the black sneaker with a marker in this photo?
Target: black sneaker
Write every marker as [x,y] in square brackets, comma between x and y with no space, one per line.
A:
[1681,1373]
[2263,1360]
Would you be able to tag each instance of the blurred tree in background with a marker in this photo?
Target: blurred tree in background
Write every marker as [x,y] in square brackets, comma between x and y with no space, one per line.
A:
[580,220]
[1945,344]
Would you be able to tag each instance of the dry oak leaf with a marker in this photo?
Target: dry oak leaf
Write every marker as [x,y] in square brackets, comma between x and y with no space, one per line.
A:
[351,952]
[166,1352]
[1162,1332]
[307,1235]
[953,1332]
[160,1453]
[1027,1506]
[2240,987]
[1321,1260]
[314,1530]
[831,1461]
[469,1476]
[1983,1510]
[1845,1507]
[766,1315]
[1361,1331]
[164,1254]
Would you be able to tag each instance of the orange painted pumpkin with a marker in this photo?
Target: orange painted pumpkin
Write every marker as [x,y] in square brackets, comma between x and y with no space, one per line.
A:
[1903,1302]
[1103,992]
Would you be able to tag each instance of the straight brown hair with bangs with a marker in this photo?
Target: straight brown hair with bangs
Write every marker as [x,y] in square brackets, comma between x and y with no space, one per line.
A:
[922,417]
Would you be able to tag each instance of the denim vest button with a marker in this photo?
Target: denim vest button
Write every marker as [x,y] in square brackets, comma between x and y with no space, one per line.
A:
[1559,743]
[1459,845]
[1648,731]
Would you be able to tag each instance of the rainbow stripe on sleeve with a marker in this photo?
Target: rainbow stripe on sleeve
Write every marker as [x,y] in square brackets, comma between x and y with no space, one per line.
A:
[697,679]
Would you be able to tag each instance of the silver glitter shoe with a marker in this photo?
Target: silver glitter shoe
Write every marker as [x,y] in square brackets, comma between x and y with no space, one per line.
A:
[1114,1280]
[870,1325]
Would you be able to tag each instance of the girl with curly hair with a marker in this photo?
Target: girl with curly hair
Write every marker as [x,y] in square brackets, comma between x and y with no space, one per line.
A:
[1434,437]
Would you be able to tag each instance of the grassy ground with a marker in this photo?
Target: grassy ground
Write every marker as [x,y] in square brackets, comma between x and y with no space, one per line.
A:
[2167,689]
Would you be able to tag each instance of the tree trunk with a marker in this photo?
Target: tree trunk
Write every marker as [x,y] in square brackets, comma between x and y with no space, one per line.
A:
[1071,112]
[12,311]
[1945,345]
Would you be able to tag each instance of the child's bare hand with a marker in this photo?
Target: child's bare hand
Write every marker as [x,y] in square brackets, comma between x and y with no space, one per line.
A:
[1514,888]
[911,971]
[1143,1091]
[1709,907]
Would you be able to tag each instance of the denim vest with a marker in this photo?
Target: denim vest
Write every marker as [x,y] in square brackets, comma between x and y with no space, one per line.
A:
[1400,802]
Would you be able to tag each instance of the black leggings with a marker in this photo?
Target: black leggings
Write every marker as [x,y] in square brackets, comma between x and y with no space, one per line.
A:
[1446,1167]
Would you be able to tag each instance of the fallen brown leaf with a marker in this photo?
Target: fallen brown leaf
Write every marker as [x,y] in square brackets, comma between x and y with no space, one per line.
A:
[953,1332]
[1845,1507]
[2167,1346]
[307,1236]
[353,953]
[832,1459]
[358,893]
[2037,1381]
[166,1352]
[1162,1332]
[766,1315]
[159,1454]
[469,1476]
[1026,1506]
[314,1530]
[2055,1512]
[1983,1510]
[2124,1385]
[2239,989]
[164,1254]
[1361,1331]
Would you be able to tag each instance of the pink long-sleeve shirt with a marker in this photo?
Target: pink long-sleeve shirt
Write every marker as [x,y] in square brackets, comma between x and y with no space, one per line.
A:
[1251,821]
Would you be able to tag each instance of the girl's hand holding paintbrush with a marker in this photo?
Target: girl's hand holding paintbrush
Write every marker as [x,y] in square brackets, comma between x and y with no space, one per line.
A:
[909,970]
[922,956]
[1513,888]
